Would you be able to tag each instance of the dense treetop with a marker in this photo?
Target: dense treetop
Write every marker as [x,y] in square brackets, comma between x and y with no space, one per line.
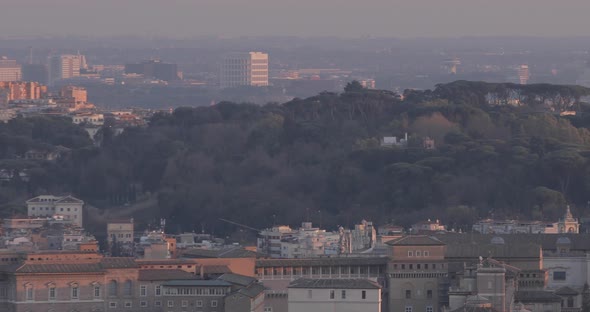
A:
[502,150]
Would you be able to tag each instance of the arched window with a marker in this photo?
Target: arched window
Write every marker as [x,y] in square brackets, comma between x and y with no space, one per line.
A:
[128,288]
[112,288]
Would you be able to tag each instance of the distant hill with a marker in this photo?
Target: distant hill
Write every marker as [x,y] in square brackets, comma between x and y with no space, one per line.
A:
[500,149]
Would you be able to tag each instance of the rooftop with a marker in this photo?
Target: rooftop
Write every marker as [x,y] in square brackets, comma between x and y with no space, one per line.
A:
[416,240]
[164,275]
[197,283]
[334,283]
[321,261]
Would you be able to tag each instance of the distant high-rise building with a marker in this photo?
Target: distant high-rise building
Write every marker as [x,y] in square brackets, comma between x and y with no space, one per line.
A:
[244,69]
[78,94]
[523,74]
[154,69]
[10,70]
[451,65]
[34,73]
[64,66]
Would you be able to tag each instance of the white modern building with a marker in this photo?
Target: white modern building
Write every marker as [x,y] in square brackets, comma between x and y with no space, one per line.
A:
[328,295]
[67,207]
[244,69]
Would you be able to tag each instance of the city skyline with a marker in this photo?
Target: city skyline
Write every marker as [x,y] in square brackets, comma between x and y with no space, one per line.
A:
[422,18]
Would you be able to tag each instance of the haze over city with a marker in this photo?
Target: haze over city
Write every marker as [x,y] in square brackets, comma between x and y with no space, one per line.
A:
[187,18]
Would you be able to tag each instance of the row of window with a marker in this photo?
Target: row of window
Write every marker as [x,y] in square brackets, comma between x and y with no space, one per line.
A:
[408,294]
[418,266]
[320,270]
[52,292]
[411,309]
[169,304]
[53,208]
[418,253]
[333,294]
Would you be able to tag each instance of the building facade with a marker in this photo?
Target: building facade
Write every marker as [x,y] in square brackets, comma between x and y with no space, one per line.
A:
[64,66]
[10,70]
[244,69]
[417,274]
[69,207]
[326,295]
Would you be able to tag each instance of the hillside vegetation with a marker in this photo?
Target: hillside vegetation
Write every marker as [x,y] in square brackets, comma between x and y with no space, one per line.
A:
[501,150]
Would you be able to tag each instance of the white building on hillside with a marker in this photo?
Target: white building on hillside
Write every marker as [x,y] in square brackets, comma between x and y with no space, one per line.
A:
[68,207]
[328,295]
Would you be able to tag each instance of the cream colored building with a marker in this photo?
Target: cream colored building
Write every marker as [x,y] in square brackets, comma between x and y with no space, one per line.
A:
[64,66]
[68,207]
[326,295]
[9,70]
[244,69]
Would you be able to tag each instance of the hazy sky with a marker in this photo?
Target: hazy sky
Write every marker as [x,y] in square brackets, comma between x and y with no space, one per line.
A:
[392,18]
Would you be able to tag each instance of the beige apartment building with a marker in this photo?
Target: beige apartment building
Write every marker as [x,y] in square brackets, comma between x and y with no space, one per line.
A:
[244,69]
[10,70]
[417,274]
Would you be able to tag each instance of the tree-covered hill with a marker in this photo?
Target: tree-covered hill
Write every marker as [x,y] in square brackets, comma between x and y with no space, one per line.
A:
[500,149]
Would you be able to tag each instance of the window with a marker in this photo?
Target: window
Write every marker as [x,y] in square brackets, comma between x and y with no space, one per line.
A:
[409,309]
[213,303]
[343,294]
[112,288]
[143,304]
[170,303]
[570,302]
[331,294]
[429,309]
[52,293]
[403,266]
[426,253]
[309,294]
[112,305]
[429,294]
[29,293]
[410,253]
[408,294]
[426,266]
[267,309]
[128,304]
[490,286]
[158,290]
[411,266]
[559,276]
[184,303]
[158,303]
[75,292]
[418,266]
[143,290]
[364,294]
[127,288]
[96,291]
[418,253]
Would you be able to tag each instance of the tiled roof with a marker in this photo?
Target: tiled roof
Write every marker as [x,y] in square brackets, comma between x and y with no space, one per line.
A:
[566,291]
[69,199]
[118,263]
[536,296]
[237,279]
[475,309]
[416,240]
[60,268]
[579,242]
[252,291]
[334,283]
[321,261]
[237,252]
[197,283]
[164,275]
[216,269]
